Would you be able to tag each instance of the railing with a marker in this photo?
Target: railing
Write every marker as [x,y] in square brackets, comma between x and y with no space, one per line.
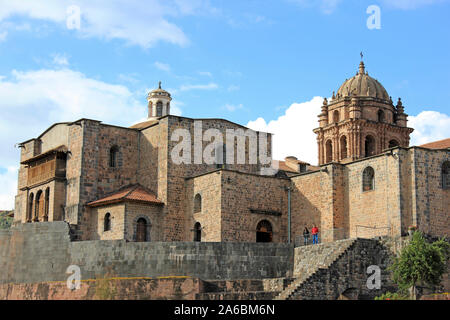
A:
[328,235]
[369,232]
[46,171]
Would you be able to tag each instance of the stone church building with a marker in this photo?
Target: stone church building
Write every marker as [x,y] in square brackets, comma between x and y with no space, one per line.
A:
[110,182]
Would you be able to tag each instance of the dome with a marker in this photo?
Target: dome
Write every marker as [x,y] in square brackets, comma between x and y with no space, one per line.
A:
[363,85]
[159,92]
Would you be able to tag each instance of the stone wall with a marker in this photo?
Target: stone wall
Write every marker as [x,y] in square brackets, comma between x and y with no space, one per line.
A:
[106,289]
[39,252]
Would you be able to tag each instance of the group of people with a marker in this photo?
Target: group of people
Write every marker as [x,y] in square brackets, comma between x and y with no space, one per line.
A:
[314,232]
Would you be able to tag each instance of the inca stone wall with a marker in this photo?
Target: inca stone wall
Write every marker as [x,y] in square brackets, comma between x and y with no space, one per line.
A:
[41,252]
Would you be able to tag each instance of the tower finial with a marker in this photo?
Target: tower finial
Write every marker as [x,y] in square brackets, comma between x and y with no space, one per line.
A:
[159,85]
[361,54]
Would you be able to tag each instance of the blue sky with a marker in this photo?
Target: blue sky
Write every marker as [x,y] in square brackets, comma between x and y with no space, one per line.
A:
[259,63]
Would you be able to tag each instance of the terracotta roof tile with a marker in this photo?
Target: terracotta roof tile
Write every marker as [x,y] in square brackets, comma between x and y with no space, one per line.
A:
[131,193]
[441,144]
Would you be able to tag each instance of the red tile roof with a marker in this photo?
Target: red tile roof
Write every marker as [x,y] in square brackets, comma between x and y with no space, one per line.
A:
[130,193]
[441,144]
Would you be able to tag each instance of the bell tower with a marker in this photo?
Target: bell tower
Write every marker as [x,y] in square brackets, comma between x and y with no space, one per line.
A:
[360,121]
[158,103]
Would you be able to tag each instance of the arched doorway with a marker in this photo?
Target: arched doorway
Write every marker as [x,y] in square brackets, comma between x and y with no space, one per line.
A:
[141,230]
[264,231]
[198,232]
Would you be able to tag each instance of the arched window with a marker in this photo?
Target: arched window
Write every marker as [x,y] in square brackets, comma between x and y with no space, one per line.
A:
[38,206]
[113,152]
[380,116]
[328,151]
[336,116]
[220,155]
[368,179]
[197,203]
[141,230]
[369,146]
[30,208]
[159,109]
[264,231]
[198,232]
[107,222]
[446,175]
[393,143]
[47,204]
[343,147]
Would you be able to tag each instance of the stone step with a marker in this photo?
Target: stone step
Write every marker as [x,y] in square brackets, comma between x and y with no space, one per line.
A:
[317,257]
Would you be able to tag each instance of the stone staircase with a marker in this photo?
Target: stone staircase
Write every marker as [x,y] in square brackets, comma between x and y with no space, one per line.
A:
[311,260]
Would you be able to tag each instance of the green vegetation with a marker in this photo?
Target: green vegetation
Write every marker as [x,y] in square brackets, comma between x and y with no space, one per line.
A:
[392,296]
[419,262]
[5,221]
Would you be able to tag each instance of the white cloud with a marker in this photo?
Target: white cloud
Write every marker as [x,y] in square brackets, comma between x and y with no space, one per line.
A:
[410,4]
[60,59]
[3,35]
[293,135]
[162,66]
[233,107]
[205,73]
[209,86]
[326,6]
[142,23]
[8,181]
[429,126]
[233,88]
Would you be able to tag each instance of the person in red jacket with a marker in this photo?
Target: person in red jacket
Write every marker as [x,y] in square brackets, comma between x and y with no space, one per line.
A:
[315,234]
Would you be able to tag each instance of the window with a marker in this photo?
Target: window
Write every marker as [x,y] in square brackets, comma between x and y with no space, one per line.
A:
[113,152]
[380,116]
[343,147]
[47,204]
[368,179]
[336,116]
[264,231]
[38,206]
[198,232]
[446,175]
[30,208]
[369,146]
[159,109]
[107,222]
[393,143]
[197,203]
[141,230]
[328,151]
[220,155]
